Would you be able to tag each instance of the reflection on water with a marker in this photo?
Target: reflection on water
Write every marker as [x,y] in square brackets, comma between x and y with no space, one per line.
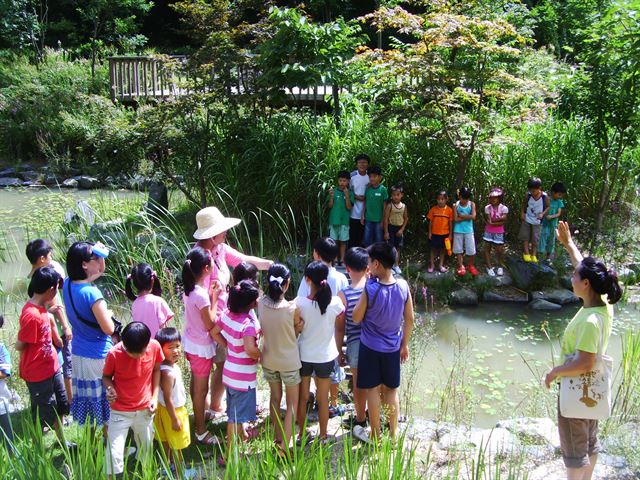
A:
[505,352]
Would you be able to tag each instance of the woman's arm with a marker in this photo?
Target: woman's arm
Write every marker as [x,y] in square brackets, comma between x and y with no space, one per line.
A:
[583,363]
[216,334]
[260,263]
[564,237]
[103,316]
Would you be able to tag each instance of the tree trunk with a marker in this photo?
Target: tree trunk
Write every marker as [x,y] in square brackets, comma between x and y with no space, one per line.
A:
[461,168]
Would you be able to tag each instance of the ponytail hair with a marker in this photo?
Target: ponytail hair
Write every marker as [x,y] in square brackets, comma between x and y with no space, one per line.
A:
[318,272]
[602,280]
[245,271]
[143,277]
[197,260]
[242,295]
[277,277]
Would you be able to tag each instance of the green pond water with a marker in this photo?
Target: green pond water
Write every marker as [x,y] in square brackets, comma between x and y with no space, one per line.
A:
[499,351]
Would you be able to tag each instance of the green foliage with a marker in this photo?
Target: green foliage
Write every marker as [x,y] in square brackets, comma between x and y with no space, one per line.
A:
[19,27]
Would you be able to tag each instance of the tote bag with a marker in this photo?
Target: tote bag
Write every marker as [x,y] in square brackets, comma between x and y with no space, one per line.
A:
[588,395]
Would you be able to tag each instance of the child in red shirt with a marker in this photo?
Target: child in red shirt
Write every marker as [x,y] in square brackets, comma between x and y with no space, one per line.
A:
[39,366]
[131,378]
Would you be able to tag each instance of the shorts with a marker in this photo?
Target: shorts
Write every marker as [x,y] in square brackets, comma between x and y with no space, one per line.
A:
[241,405]
[200,366]
[437,241]
[337,375]
[382,368]
[339,232]
[289,378]
[141,423]
[48,400]
[495,238]
[578,440]
[529,233]
[221,354]
[321,370]
[464,243]
[353,349]
[394,240]
[165,432]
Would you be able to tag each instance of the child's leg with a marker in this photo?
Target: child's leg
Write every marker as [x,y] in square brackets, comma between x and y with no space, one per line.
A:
[487,254]
[441,253]
[432,257]
[6,430]
[359,398]
[460,258]
[274,408]
[525,248]
[322,395]
[500,254]
[392,404]
[199,389]
[373,404]
[119,424]
[343,249]
[398,256]
[302,404]
[235,436]
[333,394]
[217,388]
[293,394]
[142,427]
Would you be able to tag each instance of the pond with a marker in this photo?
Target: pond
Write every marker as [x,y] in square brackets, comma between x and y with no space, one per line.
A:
[497,352]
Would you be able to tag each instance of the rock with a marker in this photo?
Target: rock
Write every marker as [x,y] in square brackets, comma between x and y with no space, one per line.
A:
[138,182]
[10,182]
[635,267]
[464,296]
[88,183]
[30,176]
[70,183]
[422,430]
[110,232]
[536,431]
[555,470]
[436,278]
[8,172]
[495,441]
[543,305]
[565,281]
[505,294]
[50,179]
[560,296]
[530,276]
[158,202]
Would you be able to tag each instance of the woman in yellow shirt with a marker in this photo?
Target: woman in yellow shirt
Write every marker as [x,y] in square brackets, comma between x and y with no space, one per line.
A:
[591,281]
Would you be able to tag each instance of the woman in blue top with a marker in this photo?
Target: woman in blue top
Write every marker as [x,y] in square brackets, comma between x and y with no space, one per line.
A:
[92,329]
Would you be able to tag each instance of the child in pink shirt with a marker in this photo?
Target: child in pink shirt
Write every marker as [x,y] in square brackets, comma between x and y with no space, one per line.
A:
[148,306]
[496,216]
[238,331]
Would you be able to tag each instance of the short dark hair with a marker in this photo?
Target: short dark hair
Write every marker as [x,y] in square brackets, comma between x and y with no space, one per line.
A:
[344,174]
[375,170]
[78,253]
[245,271]
[1,321]
[357,259]
[383,253]
[327,248]
[43,279]
[464,192]
[37,248]
[534,182]
[362,156]
[136,337]
[443,193]
[558,187]
[168,335]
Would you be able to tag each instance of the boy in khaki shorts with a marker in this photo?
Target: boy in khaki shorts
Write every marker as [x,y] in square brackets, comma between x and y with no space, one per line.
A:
[340,202]
[534,208]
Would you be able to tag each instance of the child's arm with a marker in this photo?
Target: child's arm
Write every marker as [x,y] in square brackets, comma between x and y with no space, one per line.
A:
[167,381]
[456,215]
[523,211]
[406,328]
[217,336]
[405,221]
[361,308]
[57,311]
[340,327]
[430,222]
[55,336]
[547,206]
[298,322]
[208,313]
[557,215]
[155,388]
[385,220]
[110,388]
[251,347]
[330,198]
[347,199]
[473,212]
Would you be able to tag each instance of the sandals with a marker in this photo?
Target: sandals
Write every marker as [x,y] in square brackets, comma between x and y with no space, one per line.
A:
[252,432]
[442,269]
[473,271]
[430,270]
[210,415]
[207,439]
[461,271]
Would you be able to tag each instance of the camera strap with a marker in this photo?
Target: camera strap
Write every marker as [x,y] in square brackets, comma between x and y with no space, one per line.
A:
[94,325]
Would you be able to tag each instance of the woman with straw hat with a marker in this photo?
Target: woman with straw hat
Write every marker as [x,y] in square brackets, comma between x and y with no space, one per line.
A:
[211,235]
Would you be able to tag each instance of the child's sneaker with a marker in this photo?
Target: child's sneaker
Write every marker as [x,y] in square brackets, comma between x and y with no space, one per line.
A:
[534,259]
[361,434]
[526,258]
[500,271]
[491,272]
[473,271]
[337,410]
[461,271]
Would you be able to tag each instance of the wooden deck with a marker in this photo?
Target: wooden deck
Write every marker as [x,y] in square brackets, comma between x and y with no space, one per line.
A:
[149,77]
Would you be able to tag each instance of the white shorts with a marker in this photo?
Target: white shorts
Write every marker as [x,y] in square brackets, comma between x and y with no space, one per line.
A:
[464,243]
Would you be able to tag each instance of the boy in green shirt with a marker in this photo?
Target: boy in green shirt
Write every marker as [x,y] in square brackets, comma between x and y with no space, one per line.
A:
[374,199]
[340,202]
[547,242]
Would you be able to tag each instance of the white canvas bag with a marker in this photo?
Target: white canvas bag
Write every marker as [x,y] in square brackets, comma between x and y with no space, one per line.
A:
[588,395]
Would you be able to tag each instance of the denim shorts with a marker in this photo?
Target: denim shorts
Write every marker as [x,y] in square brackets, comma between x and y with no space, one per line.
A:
[241,405]
[394,240]
[352,353]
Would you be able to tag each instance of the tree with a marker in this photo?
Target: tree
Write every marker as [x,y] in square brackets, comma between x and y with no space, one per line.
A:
[452,74]
[605,91]
[23,25]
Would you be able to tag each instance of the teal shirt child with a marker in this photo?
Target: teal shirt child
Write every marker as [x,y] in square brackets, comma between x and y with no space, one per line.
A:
[463,226]
[556,205]
[374,199]
[339,214]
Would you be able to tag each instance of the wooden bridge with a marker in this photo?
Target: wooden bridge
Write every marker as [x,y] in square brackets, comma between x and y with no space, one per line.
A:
[133,78]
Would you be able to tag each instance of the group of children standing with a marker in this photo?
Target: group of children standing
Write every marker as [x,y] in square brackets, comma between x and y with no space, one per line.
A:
[363,212]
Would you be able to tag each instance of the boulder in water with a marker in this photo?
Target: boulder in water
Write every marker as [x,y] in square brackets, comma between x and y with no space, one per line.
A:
[540,304]
[560,296]
[464,296]
[158,202]
[530,276]
[10,182]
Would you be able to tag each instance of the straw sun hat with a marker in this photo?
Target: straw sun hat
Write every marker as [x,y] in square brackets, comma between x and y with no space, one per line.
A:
[211,223]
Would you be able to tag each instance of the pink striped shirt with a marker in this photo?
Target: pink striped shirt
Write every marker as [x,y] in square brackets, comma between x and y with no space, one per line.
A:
[239,370]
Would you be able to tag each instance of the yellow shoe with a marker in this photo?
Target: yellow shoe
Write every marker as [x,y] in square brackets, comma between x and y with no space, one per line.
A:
[526,258]
[534,259]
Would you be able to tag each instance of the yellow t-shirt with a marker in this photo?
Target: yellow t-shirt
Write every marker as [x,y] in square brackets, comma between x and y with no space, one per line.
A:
[583,331]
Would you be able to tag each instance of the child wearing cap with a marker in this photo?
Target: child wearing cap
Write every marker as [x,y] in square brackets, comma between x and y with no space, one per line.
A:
[496,216]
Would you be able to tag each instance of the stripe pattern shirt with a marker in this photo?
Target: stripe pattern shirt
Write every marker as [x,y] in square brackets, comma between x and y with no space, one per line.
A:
[352,295]
[239,372]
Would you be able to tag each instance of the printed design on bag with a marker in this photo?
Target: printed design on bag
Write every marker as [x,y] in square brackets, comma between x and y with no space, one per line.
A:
[588,383]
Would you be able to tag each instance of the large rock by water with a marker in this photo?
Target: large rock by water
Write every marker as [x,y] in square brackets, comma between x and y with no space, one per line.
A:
[530,276]
[536,431]
[561,296]
[505,294]
[88,183]
[464,296]
[10,182]
[543,305]
[158,202]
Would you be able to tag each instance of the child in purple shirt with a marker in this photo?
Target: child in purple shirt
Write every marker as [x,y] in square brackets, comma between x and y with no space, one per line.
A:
[386,312]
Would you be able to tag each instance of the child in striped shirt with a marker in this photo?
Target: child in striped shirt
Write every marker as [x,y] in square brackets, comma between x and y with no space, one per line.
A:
[237,330]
